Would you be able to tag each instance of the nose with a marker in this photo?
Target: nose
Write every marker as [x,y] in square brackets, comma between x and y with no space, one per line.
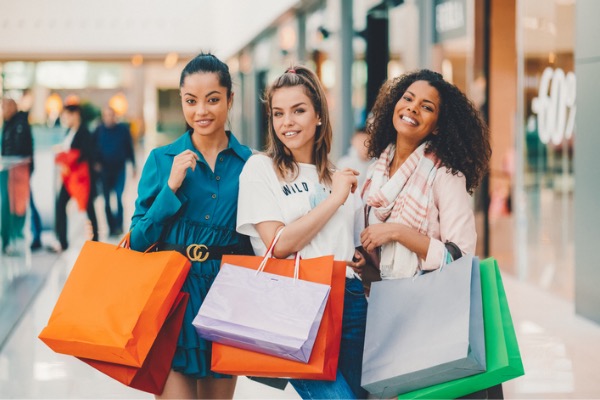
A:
[411,109]
[287,119]
[201,108]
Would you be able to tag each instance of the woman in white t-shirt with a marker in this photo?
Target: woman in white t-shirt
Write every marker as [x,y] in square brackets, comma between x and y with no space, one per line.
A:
[295,185]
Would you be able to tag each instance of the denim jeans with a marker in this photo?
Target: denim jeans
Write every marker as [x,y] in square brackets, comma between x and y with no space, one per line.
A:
[347,382]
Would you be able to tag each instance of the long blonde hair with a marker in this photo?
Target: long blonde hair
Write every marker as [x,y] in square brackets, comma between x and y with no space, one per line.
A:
[282,157]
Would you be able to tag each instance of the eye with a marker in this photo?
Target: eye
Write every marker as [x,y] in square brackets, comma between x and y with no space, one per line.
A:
[406,98]
[190,101]
[213,100]
[277,114]
[428,108]
[299,110]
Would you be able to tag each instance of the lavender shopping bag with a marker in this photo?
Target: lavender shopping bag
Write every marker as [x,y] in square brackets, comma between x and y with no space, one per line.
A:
[263,312]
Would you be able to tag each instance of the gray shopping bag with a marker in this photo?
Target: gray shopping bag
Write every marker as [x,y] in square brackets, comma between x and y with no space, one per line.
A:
[263,312]
[425,330]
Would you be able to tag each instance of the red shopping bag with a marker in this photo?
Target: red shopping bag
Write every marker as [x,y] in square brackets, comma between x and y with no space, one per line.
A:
[114,302]
[152,375]
[323,362]
[75,176]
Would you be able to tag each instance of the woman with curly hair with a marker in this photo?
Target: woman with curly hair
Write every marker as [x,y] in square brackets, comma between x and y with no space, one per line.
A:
[433,151]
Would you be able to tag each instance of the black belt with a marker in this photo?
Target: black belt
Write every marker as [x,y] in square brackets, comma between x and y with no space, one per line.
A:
[201,252]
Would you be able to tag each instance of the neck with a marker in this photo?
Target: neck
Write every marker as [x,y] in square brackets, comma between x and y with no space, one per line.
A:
[301,157]
[212,144]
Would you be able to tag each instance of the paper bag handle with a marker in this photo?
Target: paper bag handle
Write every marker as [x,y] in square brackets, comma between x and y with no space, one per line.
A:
[269,254]
[126,242]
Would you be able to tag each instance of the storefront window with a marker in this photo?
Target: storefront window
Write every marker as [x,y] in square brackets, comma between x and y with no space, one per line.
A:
[545,217]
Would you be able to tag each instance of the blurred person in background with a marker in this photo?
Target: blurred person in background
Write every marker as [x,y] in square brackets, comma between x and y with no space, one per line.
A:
[357,157]
[75,156]
[17,140]
[114,147]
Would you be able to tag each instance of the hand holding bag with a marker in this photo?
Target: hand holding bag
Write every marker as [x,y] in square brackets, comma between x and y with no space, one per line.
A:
[114,302]
[263,312]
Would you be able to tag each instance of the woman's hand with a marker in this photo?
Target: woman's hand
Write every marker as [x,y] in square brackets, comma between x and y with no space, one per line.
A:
[181,163]
[343,183]
[357,263]
[375,235]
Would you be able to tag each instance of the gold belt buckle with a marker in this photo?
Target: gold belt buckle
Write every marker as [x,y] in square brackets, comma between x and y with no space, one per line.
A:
[197,252]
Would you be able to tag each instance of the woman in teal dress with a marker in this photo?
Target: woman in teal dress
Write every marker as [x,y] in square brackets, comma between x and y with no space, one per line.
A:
[187,201]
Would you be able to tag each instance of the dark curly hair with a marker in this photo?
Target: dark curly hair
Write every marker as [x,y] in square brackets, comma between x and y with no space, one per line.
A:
[462,143]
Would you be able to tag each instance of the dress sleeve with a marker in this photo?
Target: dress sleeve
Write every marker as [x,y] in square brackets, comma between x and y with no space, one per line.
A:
[457,221]
[154,208]
[257,198]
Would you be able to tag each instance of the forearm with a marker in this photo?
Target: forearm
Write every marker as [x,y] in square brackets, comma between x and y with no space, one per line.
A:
[411,238]
[302,231]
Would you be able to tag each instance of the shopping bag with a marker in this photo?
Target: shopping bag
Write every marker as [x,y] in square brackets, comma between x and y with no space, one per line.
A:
[75,176]
[502,349]
[324,357]
[152,375]
[114,302]
[424,330]
[263,312]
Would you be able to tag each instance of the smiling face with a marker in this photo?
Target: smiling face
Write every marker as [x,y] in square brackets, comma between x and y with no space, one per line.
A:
[295,121]
[205,104]
[416,113]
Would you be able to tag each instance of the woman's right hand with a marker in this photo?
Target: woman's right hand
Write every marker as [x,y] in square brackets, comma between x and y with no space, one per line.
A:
[181,163]
[343,182]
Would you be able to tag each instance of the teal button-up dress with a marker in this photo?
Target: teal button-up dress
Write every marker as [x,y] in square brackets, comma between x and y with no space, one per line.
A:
[203,211]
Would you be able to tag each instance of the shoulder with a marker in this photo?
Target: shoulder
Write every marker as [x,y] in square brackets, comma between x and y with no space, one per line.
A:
[242,151]
[449,187]
[259,161]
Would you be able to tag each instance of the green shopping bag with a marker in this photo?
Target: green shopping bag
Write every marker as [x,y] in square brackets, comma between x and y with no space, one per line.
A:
[502,350]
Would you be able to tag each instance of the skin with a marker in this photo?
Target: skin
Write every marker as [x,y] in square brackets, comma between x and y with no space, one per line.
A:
[9,109]
[415,118]
[295,122]
[205,106]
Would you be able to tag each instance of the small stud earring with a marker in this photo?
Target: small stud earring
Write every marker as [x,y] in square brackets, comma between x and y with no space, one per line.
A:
[319,123]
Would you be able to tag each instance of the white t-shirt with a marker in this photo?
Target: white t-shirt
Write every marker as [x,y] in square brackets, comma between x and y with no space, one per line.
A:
[263,197]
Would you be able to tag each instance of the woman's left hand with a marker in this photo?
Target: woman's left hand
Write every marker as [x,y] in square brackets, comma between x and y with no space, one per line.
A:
[357,263]
[375,235]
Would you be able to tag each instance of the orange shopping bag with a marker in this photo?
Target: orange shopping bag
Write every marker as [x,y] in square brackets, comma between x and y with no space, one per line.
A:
[114,302]
[152,375]
[324,357]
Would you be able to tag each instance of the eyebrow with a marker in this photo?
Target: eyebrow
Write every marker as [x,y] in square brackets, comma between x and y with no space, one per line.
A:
[294,106]
[425,100]
[209,94]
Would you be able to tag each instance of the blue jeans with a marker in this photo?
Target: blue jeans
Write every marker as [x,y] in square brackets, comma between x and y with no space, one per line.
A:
[347,382]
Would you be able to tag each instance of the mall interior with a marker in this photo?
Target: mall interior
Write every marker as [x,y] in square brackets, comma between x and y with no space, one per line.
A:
[530,67]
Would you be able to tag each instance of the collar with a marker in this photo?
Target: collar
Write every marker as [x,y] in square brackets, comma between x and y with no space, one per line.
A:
[185,142]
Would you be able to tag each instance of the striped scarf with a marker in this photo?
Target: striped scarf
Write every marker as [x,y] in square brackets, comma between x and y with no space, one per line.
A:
[405,198]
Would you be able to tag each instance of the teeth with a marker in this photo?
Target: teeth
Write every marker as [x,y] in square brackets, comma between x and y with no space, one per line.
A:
[408,119]
[288,134]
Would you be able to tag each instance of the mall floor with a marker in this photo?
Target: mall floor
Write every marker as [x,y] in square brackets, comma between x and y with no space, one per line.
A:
[560,350]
